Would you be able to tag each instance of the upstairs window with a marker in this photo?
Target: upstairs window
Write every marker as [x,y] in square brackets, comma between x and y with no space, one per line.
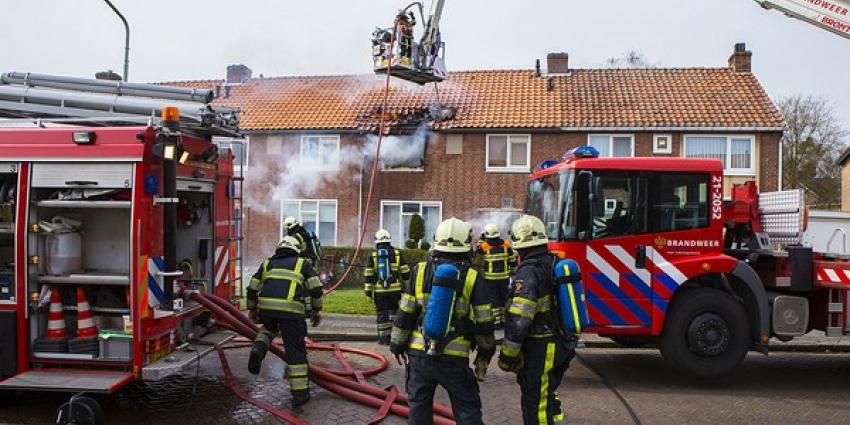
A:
[612,146]
[736,152]
[320,152]
[509,153]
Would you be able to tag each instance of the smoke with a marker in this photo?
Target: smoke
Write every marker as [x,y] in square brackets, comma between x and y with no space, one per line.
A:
[502,219]
[403,151]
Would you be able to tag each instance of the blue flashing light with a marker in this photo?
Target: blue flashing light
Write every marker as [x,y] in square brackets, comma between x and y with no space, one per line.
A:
[546,164]
[580,152]
[151,184]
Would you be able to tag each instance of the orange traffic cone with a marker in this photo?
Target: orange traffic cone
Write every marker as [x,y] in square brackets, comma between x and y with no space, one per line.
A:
[56,318]
[85,322]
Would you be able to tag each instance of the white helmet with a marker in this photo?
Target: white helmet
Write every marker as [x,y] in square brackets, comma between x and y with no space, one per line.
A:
[383,236]
[528,231]
[288,242]
[491,231]
[289,222]
[453,235]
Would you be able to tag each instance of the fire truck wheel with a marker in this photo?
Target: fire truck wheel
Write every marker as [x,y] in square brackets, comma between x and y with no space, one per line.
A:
[706,334]
[80,411]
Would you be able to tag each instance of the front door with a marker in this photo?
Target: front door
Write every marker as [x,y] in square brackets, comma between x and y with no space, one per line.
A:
[617,265]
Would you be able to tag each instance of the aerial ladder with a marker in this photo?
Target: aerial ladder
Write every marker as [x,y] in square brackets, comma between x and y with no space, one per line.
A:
[831,15]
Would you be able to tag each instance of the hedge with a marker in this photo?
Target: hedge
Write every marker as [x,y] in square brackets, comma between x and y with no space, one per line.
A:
[342,257]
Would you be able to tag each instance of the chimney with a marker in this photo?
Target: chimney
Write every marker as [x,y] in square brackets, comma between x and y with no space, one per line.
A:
[557,63]
[741,59]
[238,74]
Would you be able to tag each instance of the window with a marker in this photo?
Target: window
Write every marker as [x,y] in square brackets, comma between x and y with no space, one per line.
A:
[662,144]
[317,216]
[678,201]
[320,152]
[396,215]
[239,147]
[612,145]
[508,153]
[736,152]
[623,206]
[274,145]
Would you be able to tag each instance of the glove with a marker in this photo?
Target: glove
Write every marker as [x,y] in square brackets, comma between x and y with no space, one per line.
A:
[400,354]
[511,364]
[481,364]
[315,318]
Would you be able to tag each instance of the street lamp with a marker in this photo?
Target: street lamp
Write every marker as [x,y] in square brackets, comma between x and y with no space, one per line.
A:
[126,40]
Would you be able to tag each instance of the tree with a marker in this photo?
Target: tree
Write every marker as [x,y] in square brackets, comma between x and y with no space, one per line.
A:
[416,229]
[631,59]
[810,146]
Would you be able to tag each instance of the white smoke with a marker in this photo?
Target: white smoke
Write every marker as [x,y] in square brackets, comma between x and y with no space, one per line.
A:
[403,151]
[502,219]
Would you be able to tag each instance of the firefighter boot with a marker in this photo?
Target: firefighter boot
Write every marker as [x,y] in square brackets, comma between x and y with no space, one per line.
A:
[300,398]
[258,353]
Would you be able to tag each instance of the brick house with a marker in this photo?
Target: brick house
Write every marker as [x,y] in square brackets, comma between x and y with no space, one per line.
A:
[309,137]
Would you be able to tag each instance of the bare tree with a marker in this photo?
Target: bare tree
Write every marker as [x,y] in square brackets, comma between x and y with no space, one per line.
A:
[810,146]
[631,59]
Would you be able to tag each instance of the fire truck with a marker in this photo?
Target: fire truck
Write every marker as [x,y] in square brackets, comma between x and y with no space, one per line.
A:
[115,203]
[667,260]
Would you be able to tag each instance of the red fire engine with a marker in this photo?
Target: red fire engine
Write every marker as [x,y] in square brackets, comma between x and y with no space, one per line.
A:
[665,259]
[110,210]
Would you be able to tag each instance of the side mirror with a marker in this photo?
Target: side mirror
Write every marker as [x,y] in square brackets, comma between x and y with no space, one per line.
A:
[597,199]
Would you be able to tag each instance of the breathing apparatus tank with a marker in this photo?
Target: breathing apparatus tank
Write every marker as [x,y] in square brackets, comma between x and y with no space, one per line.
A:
[438,313]
[383,268]
[571,301]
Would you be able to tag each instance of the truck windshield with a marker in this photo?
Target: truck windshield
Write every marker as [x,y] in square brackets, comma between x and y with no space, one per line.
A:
[548,199]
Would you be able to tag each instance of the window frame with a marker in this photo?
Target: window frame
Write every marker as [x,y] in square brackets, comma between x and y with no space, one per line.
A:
[727,170]
[318,220]
[611,137]
[508,168]
[319,166]
[220,141]
[400,203]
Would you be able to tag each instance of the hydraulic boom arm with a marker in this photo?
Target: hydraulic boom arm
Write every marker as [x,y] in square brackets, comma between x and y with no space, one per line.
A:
[831,15]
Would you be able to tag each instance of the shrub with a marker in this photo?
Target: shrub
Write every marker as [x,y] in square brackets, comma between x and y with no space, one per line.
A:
[425,246]
[410,244]
[416,229]
[342,256]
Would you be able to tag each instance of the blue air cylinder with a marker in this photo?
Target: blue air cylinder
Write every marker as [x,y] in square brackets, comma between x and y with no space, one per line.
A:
[571,300]
[438,313]
[383,270]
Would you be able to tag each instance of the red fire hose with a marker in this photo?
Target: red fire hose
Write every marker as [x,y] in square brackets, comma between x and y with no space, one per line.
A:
[360,392]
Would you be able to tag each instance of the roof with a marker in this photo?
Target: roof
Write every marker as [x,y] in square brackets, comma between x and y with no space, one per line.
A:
[656,98]
[842,159]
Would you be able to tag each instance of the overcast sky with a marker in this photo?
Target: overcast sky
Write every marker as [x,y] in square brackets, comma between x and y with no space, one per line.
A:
[197,39]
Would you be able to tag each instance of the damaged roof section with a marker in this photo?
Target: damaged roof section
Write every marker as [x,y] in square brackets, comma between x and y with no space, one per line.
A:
[583,99]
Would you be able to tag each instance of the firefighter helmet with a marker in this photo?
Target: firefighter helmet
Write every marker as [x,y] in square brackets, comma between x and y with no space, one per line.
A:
[453,235]
[383,236]
[528,231]
[491,231]
[288,242]
[289,222]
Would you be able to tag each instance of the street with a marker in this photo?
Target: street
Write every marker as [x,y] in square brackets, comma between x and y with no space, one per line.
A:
[784,388]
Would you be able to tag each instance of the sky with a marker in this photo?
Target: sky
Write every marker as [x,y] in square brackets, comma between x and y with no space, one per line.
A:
[197,39]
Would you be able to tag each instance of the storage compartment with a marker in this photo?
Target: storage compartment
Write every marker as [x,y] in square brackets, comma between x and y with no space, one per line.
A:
[115,345]
[8,207]
[8,343]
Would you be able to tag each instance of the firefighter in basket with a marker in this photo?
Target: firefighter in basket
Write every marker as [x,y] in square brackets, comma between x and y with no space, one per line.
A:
[282,294]
[444,314]
[383,282]
[311,249]
[498,267]
[546,311]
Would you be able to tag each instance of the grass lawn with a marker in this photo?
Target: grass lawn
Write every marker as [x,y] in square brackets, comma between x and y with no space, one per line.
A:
[348,301]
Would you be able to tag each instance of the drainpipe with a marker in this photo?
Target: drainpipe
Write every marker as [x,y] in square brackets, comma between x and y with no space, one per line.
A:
[779,177]
[360,201]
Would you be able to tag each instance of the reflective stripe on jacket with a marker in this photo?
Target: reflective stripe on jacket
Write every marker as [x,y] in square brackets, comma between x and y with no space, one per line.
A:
[499,260]
[286,285]
[398,273]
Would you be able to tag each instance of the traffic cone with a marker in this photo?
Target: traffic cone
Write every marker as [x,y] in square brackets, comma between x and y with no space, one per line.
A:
[86,341]
[85,320]
[56,318]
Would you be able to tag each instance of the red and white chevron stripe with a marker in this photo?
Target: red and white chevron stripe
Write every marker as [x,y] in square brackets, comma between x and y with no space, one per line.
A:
[836,274]
[222,257]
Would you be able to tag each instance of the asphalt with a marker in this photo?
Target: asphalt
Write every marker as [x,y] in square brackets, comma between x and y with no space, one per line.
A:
[348,327]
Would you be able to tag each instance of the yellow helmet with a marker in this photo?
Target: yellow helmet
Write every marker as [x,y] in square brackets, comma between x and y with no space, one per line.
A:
[491,231]
[528,231]
[289,242]
[453,235]
[289,222]
[383,236]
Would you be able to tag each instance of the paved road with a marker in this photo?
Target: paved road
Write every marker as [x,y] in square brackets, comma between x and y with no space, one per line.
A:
[785,388]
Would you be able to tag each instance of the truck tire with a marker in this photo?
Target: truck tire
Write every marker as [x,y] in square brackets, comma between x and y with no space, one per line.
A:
[706,334]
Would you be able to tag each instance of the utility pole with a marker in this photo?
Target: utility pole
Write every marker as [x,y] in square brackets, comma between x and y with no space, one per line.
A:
[126,40]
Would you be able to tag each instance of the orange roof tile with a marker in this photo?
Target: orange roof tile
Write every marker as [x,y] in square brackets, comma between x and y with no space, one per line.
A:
[584,99]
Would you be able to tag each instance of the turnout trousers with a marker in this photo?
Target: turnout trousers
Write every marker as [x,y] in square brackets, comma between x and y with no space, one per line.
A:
[499,289]
[292,331]
[424,373]
[545,362]
[386,305]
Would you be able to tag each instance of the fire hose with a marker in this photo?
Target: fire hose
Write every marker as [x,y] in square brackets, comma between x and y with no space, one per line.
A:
[387,401]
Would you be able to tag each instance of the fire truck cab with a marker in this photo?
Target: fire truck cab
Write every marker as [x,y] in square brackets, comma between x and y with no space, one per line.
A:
[665,259]
[108,218]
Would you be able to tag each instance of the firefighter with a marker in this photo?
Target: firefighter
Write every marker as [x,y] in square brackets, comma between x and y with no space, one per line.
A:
[383,283]
[535,347]
[405,27]
[499,265]
[310,248]
[283,292]
[469,323]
